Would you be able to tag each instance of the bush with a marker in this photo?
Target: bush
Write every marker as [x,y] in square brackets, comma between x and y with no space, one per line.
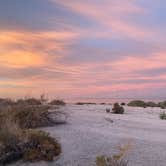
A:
[110,161]
[137,103]
[40,146]
[162,104]
[107,110]
[85,103]
[27,144]
[123,103]
[114,160]
[10,147]
[29,101]
[31,116]
[151,104]
[6,102]
[28,116]
[57,102]
[163,115]
[117,109]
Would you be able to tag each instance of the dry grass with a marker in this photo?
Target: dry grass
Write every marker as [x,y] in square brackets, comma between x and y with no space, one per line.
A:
[116,159]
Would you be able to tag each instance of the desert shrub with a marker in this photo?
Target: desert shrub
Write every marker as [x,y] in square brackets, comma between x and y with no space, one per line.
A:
[31,116]
[57,102]
[40,146]
[137,103]
[10,147]
[110,161]
[79,103]
[107,110]
[85,103]
[6,102]
[151,104]
[29,101]
[30,145]
[163,115]
[114,160]
[162,104]
[117,109]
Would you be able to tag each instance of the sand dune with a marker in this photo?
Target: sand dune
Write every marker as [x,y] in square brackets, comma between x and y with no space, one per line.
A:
[90,132]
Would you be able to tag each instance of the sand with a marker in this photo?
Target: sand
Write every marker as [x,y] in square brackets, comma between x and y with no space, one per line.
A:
[90,132]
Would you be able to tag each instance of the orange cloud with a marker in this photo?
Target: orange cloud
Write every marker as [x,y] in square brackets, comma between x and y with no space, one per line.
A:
[20,59]
[25,49]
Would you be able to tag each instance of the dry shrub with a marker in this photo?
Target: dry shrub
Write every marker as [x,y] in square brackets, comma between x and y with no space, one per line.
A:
[117,109]
[40,146]
[57,102]
[116,159]
[31,116]
[110,161]
[29,101]
[30,145]
[10,137]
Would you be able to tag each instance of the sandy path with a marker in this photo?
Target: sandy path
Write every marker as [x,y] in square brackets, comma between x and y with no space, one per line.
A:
[89,133]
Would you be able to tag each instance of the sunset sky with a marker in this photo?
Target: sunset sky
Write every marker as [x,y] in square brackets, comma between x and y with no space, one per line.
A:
[83,48]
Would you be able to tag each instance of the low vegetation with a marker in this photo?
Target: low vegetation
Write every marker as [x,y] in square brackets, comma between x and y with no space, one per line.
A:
[137,103]
[140,103]
[163,115]
[116,159]
[28,101]
[117,109]
[57,102]
[40,146]
[85,103]
[162,104]
[32,116]
[28,145]
[18,139]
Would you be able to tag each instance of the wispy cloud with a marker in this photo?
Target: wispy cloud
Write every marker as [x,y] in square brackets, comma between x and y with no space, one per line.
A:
[82,48]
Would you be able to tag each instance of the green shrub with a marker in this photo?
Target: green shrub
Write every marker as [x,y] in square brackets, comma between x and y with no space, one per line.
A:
[57,102]
[137,103]
[85,103]
[117,109]
[151,104]
[163,115]
[162,104]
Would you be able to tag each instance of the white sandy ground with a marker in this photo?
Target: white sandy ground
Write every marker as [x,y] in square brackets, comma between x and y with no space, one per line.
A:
[89,133]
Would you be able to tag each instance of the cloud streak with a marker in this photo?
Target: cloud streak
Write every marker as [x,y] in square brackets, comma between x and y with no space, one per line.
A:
[82,49]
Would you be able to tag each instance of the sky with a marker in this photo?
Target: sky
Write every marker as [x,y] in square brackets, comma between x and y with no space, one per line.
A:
[83,48]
